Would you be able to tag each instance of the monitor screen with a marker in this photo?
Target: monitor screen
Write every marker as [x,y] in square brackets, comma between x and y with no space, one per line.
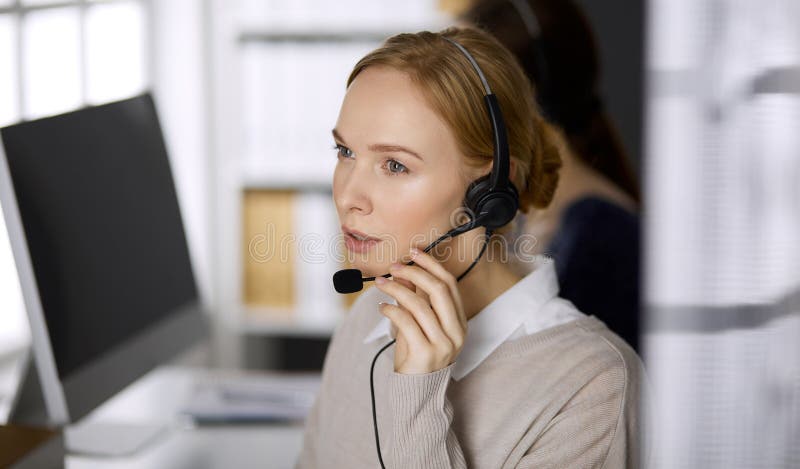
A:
[100,215]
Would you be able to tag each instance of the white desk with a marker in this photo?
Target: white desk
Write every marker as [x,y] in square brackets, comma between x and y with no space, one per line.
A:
[259,447]
[157,398]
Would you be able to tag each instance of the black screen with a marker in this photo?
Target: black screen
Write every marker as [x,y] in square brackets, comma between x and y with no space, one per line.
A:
[103,226]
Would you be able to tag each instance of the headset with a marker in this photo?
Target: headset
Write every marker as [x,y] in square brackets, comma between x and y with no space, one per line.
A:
[492,202]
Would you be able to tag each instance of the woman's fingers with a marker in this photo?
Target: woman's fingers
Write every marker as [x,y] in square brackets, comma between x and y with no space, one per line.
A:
[405,324]
[429,263]
[419,308]
[429,315]
[440,299]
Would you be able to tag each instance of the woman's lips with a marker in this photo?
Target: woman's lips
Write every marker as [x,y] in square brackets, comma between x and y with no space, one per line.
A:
[356,245]
[357,234]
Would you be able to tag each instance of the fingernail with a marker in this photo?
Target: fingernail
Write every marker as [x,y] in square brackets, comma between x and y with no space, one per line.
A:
[395,265]
[380,280]
[414,252]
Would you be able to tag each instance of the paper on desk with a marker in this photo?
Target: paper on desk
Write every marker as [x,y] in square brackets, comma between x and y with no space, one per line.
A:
[247,399]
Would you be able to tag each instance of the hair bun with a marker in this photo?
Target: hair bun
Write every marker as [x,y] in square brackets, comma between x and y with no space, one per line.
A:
[542,178]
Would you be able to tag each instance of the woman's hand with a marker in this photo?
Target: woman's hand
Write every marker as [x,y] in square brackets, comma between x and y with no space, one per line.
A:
[429,316]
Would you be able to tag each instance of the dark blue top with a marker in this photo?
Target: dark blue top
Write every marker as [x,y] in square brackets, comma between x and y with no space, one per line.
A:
[596,253]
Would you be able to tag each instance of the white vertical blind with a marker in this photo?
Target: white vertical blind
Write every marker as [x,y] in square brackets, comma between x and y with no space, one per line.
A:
[723,233]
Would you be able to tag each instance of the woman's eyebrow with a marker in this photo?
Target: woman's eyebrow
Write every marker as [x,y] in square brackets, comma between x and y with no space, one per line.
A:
[381,147]
[337,136]
[384,147]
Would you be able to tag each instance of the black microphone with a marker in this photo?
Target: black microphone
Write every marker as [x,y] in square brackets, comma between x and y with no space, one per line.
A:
[351,281]
[348,281]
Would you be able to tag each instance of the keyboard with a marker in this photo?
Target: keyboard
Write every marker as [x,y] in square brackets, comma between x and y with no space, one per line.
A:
[262,397]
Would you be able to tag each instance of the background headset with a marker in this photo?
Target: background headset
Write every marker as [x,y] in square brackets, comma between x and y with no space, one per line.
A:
[532,54]
[570,106]
[492,202]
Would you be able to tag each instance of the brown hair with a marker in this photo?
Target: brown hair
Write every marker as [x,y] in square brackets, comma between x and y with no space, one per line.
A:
[562,63]
[452,87]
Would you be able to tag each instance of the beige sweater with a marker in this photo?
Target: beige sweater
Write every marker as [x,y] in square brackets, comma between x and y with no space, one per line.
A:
[563,397]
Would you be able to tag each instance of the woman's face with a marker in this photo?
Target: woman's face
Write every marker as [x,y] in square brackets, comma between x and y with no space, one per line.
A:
[399,173]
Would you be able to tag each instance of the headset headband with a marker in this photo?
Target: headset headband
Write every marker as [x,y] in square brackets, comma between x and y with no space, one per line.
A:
[499,178]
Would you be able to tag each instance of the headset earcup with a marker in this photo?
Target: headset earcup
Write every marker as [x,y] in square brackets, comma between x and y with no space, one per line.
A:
[502,205]
[475,192]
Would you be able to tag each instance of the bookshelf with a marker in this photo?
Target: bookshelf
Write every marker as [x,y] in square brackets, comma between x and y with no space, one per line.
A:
[279,71]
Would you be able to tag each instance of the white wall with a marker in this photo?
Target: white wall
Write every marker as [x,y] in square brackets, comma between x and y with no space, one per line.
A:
[179,77]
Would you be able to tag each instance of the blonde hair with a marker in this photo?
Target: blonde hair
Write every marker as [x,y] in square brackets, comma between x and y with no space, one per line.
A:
[452,87]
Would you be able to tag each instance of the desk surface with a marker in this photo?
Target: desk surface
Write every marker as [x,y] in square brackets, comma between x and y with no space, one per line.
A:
[157,398]
[262,447]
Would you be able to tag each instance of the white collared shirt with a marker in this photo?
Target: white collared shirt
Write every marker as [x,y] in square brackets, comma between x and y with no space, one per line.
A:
[530,306]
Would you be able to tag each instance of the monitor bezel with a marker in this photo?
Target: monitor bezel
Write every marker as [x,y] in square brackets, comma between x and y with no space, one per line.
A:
[53,393]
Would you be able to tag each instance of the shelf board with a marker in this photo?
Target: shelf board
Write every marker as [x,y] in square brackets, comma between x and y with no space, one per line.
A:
[271,33]
[280,322]
[260,176]
[313,37]
[287,184]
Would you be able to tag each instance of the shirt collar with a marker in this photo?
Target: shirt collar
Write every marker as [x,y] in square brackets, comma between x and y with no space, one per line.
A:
[522,304]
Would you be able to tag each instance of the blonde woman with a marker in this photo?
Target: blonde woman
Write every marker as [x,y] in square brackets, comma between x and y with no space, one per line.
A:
[494,370]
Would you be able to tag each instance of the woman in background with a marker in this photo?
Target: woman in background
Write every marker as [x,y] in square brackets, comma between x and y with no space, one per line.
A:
[591,228]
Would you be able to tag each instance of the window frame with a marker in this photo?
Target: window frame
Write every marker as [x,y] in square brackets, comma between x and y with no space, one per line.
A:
[18,11]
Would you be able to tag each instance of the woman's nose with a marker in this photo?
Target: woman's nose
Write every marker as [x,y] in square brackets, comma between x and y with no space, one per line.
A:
[354,191]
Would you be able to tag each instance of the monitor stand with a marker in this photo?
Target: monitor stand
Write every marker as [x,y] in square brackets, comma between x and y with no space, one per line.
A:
[109,438]
[87,438]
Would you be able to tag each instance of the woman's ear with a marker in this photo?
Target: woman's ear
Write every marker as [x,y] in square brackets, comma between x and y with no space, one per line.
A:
[487,169]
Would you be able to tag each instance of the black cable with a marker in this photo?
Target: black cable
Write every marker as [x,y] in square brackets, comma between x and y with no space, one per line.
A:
[372,391]
[480,254]
[374,360]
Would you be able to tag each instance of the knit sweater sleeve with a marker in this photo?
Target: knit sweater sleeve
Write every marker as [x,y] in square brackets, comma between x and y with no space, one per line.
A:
[422,422]
[592,430]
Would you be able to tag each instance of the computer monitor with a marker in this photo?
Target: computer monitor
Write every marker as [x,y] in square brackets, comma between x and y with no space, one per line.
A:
[99,244]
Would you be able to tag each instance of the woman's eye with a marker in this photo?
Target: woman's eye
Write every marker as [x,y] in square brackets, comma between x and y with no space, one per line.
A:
[343,151]
[395,167]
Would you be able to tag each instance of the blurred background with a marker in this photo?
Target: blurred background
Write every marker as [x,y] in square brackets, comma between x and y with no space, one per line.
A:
[704,95]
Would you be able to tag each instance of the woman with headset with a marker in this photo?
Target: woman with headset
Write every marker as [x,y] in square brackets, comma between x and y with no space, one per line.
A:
[482,367]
